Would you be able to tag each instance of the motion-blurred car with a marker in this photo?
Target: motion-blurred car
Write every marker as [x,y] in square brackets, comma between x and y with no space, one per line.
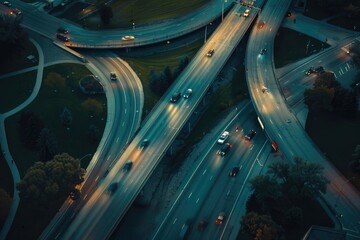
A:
[263,51]
[175,97]
[62,37]
[187,93]
[145,143]
[75,194]
[250,135]
[223,137]
[202,225]
[113,76]
[234,171]
[210,52]
[128,38]
[225,149]
[246,13]
[261,24]
[113,187]
[128,165]
[6,3]
[62,30]
[16,11]
[220,219]
[310,71]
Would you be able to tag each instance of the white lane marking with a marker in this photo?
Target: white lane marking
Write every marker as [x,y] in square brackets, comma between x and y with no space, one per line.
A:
[96,178]
[271,122]
[117,139]
[174,221]
[346,69]
[85,196]
[197,200]
[190,195]
[204,171]
[252,146]
[125,110]
[228,193]
[108,158]
[348,65]
[211,178]
[280,135]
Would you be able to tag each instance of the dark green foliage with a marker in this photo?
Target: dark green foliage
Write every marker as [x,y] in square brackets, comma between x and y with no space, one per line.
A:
[319,99]
[93,134]
[47,145]
[30,127]
[183,64]
[45,182]
[355,162]
[261,227]
[168,75]
[66,117]
[106,14]
[13,38]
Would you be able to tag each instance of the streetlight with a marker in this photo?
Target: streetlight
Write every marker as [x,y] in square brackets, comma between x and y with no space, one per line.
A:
[86,155]
[222,10]
[206,32]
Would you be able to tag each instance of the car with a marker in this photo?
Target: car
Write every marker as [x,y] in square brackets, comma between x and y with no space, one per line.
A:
[62,37]
[223,137]
[62,30]
[234,171]
[113,76]
[225,149]
[220,218]
[210,52]
[263,51]
[16,11]
[246,13]
[187,93]
[113,187]
[319,70]
[261,24]
[310,71]
[6,3]
[175,97]
[250,135]
[145,143]
[274,146]
[202,225]
[288,14]
[128,38]
[128,165]
[75,194]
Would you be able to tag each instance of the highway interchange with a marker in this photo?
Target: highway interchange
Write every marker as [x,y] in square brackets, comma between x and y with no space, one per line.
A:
[99,211]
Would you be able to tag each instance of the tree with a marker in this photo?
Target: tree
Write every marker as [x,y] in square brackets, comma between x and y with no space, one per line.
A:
[13,38]
[261,227]
[47,145]
[30,127]
[183,63]
[55,80]
[355,162]
[327,79]
[66,117]
[46,182]
[293,217]
[279,170]
[93,106]
[168,75]
[350,105]
[266,190]
[5,204]
[93,134]
[319,98]
[106,14]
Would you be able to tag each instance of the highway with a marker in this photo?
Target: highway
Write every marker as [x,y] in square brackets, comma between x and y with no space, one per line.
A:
[290,136]
[210,190]
[103,211]
[121,126]
[45,24]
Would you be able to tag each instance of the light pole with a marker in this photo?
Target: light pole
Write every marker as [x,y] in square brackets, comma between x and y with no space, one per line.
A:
[206,32]
[86,155]
[222,10]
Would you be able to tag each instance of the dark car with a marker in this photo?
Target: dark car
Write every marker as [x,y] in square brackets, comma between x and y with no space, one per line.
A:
[202,225]
[250,135]
[263,51]
[187,93]
[62,30]
[113,187]
[310,71]
[145,143]
[128,165]
[234,171]
[62,37]
[319,70]
[113,76]
[75,194]
[225,149]
[210,52]
[175,97]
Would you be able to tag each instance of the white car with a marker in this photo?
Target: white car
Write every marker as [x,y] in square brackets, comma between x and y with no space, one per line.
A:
[127,38]
[223,137]
[246,13]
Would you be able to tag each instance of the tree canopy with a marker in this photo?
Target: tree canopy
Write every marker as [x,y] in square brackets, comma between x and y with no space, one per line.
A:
[45,182]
